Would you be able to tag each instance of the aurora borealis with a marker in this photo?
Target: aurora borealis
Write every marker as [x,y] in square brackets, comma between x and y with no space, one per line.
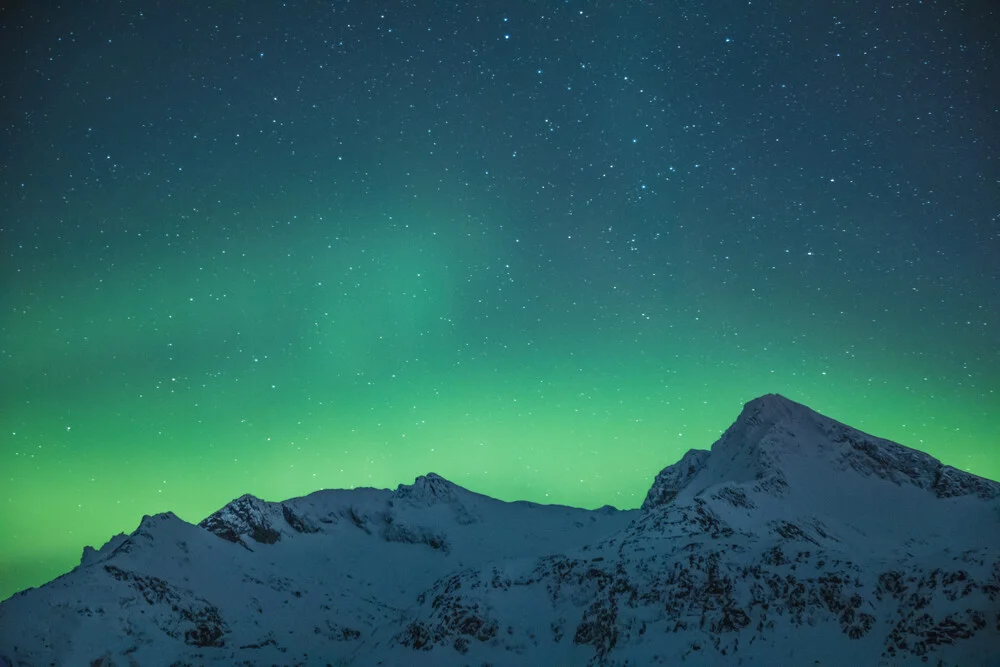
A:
[541,249]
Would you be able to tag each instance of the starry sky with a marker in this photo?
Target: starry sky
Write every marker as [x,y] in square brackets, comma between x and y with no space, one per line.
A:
[540,248]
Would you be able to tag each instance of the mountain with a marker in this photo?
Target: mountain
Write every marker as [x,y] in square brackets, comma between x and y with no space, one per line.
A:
[797,540]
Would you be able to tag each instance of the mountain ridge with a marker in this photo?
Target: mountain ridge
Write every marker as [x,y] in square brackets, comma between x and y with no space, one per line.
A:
[795,535]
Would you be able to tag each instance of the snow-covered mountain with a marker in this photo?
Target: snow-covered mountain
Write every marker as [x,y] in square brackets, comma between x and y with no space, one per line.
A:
[797,540]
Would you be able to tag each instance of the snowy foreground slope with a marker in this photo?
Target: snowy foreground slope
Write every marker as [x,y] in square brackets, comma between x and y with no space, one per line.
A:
[796,540]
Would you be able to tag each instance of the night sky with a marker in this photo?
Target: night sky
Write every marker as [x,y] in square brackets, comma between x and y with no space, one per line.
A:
[540,248]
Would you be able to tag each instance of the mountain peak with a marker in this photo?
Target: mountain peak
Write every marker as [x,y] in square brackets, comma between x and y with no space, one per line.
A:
[776,442]
[765,412]
[775,403]
[247,516]
[429,489]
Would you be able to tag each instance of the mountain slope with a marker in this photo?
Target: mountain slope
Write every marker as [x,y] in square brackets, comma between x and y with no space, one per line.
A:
[795,540]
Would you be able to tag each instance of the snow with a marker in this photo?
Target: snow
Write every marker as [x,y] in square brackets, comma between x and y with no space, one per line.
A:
[795,540]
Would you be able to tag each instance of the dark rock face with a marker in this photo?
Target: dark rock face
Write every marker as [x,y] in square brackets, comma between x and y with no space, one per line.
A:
[901,465]
[428,489]
[706,600]
[297,523]
[673,478]
[246,516]
[180,613]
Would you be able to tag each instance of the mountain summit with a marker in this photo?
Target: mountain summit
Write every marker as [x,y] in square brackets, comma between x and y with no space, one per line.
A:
[795,539]
[775,439]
